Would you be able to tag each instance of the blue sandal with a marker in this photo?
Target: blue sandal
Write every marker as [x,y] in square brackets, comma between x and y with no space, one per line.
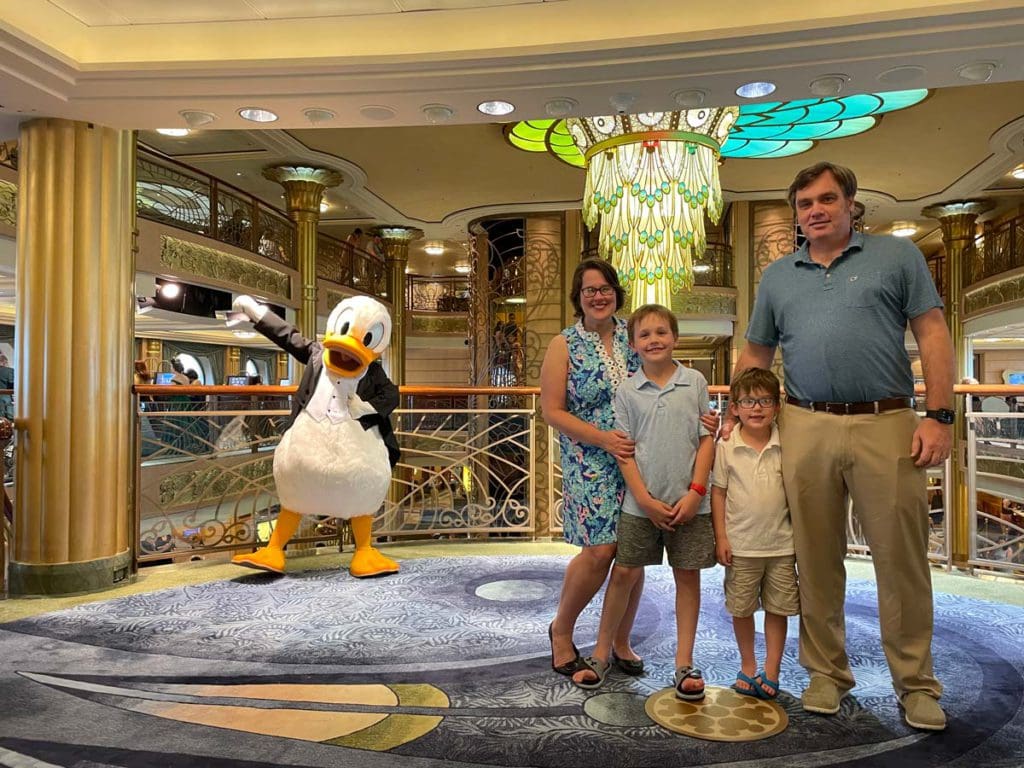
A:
[755,691]
[762,681]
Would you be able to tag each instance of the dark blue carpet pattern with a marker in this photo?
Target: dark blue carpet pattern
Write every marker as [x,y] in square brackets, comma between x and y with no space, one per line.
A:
[447,662]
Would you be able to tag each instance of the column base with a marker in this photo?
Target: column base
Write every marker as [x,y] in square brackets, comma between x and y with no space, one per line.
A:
[50,579]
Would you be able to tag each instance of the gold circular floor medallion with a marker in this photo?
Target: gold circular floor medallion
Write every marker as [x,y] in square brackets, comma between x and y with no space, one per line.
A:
[723,715]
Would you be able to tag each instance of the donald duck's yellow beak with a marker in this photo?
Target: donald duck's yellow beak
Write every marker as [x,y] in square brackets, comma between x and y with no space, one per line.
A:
[346,356]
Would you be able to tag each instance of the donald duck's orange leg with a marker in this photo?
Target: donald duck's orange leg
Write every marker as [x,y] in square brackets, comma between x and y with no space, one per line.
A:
[271,557]
[367,561]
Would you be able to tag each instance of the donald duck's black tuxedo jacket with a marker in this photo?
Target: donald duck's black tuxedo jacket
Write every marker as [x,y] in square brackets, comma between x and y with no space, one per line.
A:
[375,387]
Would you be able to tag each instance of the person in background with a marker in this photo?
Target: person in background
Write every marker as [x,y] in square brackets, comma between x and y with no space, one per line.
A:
[6,382]
[839,308]
[583,367]
[179,376]
[236,229]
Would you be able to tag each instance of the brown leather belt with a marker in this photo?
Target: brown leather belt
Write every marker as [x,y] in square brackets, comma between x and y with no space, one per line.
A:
[852,409]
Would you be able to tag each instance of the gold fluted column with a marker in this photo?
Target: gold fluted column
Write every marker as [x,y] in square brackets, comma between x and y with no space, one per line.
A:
[396,251]
[232,361]
[303,192]
[76,322]
[957,220]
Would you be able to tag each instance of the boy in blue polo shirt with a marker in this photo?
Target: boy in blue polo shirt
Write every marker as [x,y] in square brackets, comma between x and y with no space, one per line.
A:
[666,505]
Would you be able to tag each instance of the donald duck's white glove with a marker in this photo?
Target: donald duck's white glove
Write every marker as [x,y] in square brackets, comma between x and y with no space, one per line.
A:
[249,307]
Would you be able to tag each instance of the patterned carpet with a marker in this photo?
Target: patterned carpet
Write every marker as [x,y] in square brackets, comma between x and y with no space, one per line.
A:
[447,662]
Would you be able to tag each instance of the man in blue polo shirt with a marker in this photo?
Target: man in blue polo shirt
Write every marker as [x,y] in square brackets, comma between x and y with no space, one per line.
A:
[839,308]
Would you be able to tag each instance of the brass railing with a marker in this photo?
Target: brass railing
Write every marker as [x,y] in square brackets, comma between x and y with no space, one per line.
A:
[999,250]
[437,294]
[175,194]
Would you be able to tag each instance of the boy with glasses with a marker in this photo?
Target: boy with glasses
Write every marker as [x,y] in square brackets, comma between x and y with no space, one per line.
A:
[753,534]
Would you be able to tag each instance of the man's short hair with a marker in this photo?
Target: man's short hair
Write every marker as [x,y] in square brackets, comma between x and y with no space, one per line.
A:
[657,310]
[610,275]
[754,379]
[846,178]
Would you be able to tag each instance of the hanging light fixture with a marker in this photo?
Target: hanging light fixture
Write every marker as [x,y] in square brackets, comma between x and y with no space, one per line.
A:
[651,179]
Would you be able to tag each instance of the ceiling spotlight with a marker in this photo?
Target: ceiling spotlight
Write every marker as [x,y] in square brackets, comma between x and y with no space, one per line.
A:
[495,108]
[977,71]
[317,115]
[560,107]
[515,300]
[197,118]
[902,75]
[828,85]
[756,89]
[170,290]
[376,112]
[245,334]
[690,98]
[433,249]
[173,131]
[257,114]
[463,269]
[437,113]
[903,228]
[324,206]
[1018,172]
[622,102]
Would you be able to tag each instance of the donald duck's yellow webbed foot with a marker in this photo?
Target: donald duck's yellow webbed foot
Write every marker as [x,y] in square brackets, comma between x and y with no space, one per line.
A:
[370,562]
[266,559]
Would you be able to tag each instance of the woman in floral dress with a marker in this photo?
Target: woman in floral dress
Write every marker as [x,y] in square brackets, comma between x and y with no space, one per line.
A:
[582,368]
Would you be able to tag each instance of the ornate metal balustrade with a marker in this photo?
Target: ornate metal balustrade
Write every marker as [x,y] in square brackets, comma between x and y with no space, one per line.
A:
[437,294]
[206,483]
[999,250]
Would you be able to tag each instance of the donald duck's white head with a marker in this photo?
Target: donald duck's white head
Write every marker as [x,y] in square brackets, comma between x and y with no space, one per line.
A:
[358,332]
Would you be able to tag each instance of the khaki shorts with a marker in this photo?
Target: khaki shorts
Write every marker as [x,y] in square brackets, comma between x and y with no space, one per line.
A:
[690,546]
[766,582]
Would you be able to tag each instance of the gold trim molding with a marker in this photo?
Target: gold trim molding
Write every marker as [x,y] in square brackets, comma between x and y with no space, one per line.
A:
[8,203]
[1009,290]
[209,262]
[703,301]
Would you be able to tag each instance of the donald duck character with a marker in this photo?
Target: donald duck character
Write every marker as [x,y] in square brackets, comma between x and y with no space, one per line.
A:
[337,453]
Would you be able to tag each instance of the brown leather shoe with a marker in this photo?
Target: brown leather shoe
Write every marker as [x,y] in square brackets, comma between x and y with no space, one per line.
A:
[822,696]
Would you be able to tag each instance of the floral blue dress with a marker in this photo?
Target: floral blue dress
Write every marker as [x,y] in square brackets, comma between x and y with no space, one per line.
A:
[592,485]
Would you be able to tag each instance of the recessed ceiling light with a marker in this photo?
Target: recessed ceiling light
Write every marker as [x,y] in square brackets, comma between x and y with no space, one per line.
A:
[560,107]
[690,98]
[170,290]
[1018,172]
[437,113]
[756,89]
[515,300]
[317,115]
[497,108]
[377,112]
[463,269]
[433,249]
[902,75]
[903,228]
[197,118]
[828,85]
[257,114]
[245,334]
[976,71]
[699,268]
[173,131]
[324,206]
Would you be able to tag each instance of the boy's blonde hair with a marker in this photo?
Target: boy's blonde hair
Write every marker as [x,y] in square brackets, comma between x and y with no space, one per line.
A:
[753,379]
[652,309]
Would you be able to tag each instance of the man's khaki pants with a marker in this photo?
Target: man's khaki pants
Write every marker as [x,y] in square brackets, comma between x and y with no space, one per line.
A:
[824,457]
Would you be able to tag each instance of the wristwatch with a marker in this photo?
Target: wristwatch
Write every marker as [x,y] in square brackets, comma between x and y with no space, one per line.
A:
[941,415]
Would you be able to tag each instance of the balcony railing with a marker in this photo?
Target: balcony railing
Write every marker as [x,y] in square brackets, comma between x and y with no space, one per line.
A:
[183,197]
[437,294]
[999,250]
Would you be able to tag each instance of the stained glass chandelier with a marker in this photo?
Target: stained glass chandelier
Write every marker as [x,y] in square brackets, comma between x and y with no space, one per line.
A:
[651,177]
[651,180]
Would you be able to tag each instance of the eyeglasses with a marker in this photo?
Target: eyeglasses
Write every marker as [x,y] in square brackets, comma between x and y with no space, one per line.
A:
[590,291]
[750,402]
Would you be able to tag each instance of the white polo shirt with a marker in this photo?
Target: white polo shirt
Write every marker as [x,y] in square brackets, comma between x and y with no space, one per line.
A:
[756,513]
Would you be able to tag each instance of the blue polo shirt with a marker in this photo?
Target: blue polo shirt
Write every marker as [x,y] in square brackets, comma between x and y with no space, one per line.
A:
[665,423]
[842,328]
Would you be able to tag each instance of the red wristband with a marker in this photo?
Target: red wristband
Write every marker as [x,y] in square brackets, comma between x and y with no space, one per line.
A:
[700,489]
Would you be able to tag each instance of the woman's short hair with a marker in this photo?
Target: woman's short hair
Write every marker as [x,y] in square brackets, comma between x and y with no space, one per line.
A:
[610,275]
